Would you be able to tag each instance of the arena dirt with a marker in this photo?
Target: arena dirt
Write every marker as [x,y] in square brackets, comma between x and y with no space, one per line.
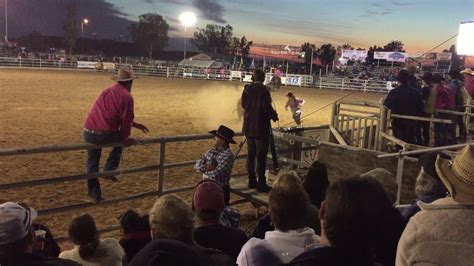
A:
[49,107]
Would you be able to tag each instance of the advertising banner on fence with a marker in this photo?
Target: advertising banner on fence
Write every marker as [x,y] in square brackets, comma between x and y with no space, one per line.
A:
[444,56]
[391,56]
[86,64]
[354,55]
[108,66]
[292,80]
[236,74]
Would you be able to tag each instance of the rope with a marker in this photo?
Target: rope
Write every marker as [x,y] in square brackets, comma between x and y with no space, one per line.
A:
[317,110]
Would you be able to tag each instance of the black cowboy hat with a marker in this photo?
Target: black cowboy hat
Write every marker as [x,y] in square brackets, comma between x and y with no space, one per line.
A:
[224,133]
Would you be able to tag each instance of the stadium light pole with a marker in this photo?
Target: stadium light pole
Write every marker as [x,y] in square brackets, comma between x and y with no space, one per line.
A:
[85,21]
[188,19]
[6,20]
[311,66]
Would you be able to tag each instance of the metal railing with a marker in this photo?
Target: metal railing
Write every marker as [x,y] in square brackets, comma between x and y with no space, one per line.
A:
[184,72]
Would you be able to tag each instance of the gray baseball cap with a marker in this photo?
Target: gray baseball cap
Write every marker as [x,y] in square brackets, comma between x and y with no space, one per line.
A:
[15,221]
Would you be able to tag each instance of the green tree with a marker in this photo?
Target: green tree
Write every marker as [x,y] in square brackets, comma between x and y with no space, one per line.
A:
[150,33]
[71,28]
[394,46]
[327,53]
[306,49]
[347,46]
[215,39]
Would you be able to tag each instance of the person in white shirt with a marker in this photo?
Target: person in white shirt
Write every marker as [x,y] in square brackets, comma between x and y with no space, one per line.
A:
[289,206]
[89,249]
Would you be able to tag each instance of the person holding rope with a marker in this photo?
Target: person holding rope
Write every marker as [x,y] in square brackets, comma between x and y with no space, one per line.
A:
[110,120]
[258,112]
[295,105]
[217,163]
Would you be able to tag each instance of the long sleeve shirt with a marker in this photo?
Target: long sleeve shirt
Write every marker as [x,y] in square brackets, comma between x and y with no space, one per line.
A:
[294,104]
[222,160]
[258,110]
[112,112]
[445,98]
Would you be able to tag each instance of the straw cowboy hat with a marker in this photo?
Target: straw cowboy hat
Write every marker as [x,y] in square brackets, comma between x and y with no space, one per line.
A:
[458,175]
[224,133]
[467,71]
[124,74]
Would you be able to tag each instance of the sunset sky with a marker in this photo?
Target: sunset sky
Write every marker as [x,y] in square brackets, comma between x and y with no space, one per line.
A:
[420,24]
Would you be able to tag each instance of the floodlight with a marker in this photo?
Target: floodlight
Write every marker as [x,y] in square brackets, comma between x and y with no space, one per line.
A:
[465,44]
[187,19]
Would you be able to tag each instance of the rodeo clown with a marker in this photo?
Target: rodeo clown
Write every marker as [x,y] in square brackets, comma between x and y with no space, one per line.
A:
[295,105]
[216,163]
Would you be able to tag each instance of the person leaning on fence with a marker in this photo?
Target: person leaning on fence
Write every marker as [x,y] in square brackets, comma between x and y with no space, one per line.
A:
[404,100]
[295,105]
[258,112]
[216,163]
[456,87]
[428,95]
[18,239]
[445,100]
[110,121]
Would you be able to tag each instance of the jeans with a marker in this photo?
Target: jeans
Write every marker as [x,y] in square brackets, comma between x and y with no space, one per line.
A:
[442,131]
[404,130]
[257,149]
[459,121]
[93,158]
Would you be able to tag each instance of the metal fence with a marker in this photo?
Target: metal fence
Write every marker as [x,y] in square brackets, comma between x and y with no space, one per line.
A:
[184,72]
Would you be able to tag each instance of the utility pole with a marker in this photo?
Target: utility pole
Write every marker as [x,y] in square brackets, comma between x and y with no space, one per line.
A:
[6,20]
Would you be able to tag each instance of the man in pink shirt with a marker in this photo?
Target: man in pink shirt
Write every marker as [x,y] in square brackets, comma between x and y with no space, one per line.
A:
[110,120]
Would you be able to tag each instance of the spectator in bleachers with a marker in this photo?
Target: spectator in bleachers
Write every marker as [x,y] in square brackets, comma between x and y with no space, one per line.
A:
[403,100]
[312,188]
[89,249]
[136,233]
[289,208]
[316,183]
[469,81]
[354,219]
[110,120]
[444,100]
[216,163]
[428,186]
[258,112]
[208,205]
[18,243]
[442,232]
[428,95]
[171,218]
[386,179]
[456,87]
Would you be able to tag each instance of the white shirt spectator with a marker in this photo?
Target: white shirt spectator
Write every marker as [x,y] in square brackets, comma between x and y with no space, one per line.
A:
[277,247]
[109,253]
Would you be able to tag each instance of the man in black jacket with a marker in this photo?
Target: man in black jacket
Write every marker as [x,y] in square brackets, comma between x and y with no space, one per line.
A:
[258,112]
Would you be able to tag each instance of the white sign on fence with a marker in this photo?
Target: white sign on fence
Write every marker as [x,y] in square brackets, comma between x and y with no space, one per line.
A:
[391,56]
[86,64]
[391,85]
[108,66]
[354,55]
[235,74]
[247,78]
[292,80]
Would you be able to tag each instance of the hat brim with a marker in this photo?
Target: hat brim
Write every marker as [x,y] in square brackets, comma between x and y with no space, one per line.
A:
[215,133]
[123,80]
[460,191]
[467,72]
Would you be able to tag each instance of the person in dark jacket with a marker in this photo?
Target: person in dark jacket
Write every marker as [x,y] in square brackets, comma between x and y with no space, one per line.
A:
[258,112]
[136,233]
[456,87]
[404,100]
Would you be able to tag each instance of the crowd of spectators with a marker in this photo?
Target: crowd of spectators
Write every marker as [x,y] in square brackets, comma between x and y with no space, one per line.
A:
[431,95]
[310,221]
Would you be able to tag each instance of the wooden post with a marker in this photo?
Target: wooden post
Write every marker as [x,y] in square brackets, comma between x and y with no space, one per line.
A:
[161,172]
[334,114]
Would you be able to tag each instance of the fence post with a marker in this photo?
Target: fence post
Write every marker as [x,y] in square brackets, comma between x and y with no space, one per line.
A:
[334,115]
[167,72]
[399,179]
[20,62]
[161,172]
[382,127]
[40,63]
[342,85]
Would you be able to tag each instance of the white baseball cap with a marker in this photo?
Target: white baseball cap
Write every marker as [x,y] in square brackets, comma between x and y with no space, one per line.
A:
[15,221]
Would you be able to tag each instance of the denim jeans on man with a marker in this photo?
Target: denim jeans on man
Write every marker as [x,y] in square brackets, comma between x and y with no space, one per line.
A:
[93,158]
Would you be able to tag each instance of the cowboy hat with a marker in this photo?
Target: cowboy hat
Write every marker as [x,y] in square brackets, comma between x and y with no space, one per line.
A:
[458,174]
[224,133]
[467,71]
[125,73]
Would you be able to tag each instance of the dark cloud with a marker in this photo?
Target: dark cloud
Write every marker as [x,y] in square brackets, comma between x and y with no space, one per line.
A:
[48,16]
[211,10]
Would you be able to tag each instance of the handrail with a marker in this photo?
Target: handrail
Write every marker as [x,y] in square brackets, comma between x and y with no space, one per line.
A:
[420,151]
